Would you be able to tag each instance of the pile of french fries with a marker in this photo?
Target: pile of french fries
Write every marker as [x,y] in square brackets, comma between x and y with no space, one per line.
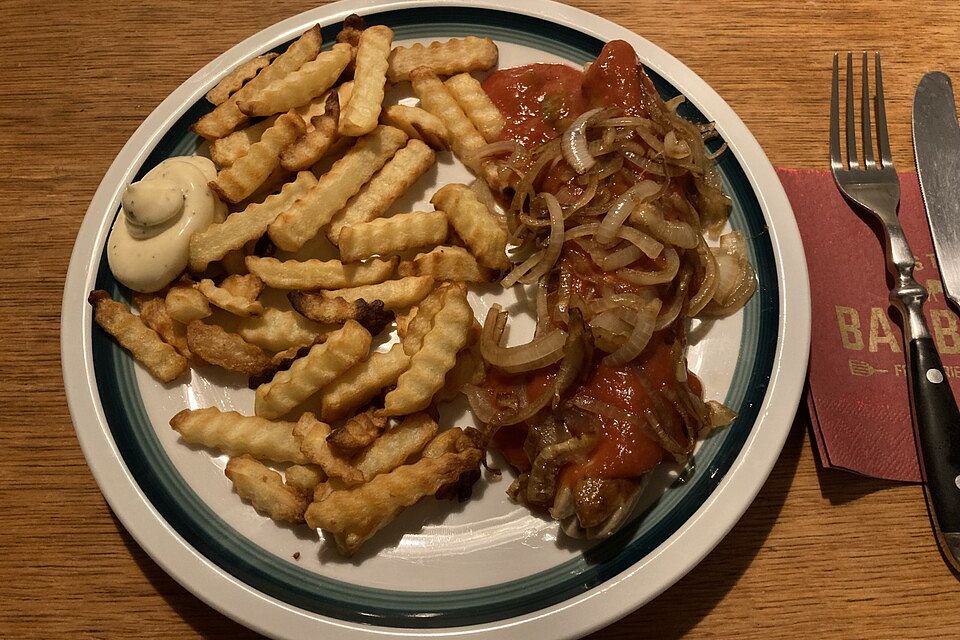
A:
[309,271]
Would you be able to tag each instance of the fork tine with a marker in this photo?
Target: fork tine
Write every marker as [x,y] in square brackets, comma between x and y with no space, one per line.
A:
[886,158]
[836,161]
[868,162]
[851,126]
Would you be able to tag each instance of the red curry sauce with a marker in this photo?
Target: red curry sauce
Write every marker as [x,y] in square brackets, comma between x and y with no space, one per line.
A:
[538,102]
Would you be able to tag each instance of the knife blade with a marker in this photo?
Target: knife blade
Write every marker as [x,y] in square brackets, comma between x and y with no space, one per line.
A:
[936,143]
[936,419]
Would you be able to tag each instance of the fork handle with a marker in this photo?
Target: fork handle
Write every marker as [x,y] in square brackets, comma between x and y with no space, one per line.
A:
[936,421]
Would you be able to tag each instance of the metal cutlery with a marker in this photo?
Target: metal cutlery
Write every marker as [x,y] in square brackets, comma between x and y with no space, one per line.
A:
[870,182]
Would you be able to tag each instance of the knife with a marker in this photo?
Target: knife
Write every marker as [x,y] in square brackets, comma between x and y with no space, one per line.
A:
[936,143]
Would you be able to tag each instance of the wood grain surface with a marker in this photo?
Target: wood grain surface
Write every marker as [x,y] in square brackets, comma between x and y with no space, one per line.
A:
[819,554]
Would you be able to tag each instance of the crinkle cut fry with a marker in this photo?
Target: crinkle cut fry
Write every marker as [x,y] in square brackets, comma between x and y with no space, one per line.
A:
[418,124]
[474,223]
[444,58]
[228,149]
[359,116]
[478,106]
[396,446]
[362,382]
[239,76]
[319,274]
[215,345]
[320,137]
[219,239]
[398,233]
[357,432]
[160,359]
[312,435]
[434,96]
[392,181]
[354,515]
[264,489]
[279,329]
[299,87]
[153,312]
[321,366]
[450,264]
[313,305]
[301,222]
[243,305]
[243,177]
[227,117]
[428,367]
[236,434]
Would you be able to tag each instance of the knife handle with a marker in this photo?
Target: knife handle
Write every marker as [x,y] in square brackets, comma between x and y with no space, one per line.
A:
[937,429]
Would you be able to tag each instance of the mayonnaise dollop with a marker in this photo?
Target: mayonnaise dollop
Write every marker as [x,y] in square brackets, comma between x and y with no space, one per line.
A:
[149,243]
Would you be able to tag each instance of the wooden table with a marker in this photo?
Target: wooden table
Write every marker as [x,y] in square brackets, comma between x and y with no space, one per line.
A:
[819,553]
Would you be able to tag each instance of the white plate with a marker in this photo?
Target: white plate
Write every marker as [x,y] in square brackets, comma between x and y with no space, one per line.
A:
[488,567]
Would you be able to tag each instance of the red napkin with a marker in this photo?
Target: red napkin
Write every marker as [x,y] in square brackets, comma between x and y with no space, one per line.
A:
[857,388]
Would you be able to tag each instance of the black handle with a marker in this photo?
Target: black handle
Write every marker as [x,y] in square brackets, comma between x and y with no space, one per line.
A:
[937,424]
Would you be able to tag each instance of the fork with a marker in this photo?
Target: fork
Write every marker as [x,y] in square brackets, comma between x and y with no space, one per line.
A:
[873,186]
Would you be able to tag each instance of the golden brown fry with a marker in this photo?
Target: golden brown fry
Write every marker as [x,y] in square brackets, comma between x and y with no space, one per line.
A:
[418,124]
[383,189]
[457,440]
[236,294]
[227,150]
[354,515]
[264,489]
[474,223]
[321,366]
[277,329]
[236,434]
[241,179]
[281,361]
[232,82]
[298,87]
[319,274]
[386,236]
[217,240]
[396,446]
[160,359]
[371,316]
[320,136]
[344,93]
[478,106]
[428,367]
[469,369]
[463,137]
[358,432]
[421,323]
[395,294]
[214,345]
[403,321]
[457,55]
[316,107]
[185,304]
[303,478]
[247,286]
[227,117]
[301,222]
[362,382]
[359,116]
[153,312]
[353,26]
[312,436]
[452,440]
[451,264]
